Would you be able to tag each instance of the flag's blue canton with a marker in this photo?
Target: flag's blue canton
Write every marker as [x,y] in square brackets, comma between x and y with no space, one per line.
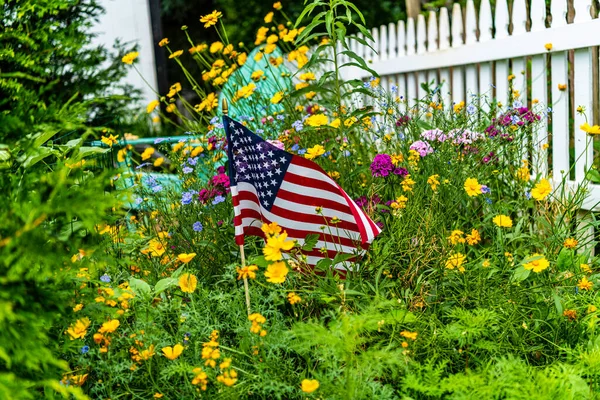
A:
[255,161]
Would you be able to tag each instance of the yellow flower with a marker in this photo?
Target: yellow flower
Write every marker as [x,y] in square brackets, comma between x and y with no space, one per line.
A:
[208,104]
[307,76]
[241,59]
[293,298]
[146,354]
[314,152]
[215,47]
[541,190]
[129,58]
[570,243]
[316,120]
[228,378]
[562,87]
[269,17]
[433,181]
[584,284]
[152,106]
[277,5]
[158,395]
[172,352]
[174,89]
[261,35]
[538,265]
[277,97]
[458,107]
[187,283]
[78,307]
[335,123]
[309,385]
[486,264]
[472,187]
[571,314]
[109,326]
[456,260]
[256,75]
[211,19]
[503,221]
[186,258]
[79,329]
[473,238]
[271,229]
[163,42]
[409,335]
[244,92]
[110,140]
[249,271]
[176,54]
[290,36]
[548,46]
[147,153]
[407,183]
[592,130]
[456,237]
[277,272]
[159,161]
[523,173]
[585,268]
[591,308]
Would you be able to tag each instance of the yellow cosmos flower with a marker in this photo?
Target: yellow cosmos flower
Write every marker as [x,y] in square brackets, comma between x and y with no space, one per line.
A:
[275,244]
[309,385]
[523,173]
[456,237]
[186,258]
[584,284]
[271,229]
[110,140]
[316,120]
[152,106]
[256,75]
[472,187]
[456,260]
[215,47]
[163,42]
[78,307]
[79,329]
[307,76]
[591,130]
[433,181]
[541,190]
[548,46]
[211,19]
[148,153]
[247,272]
[277,97]
[174,89]
[538,264]
[314,152]
[269,17]
[293,298]
[172,352]
[129,58]
[473,238]
[109,326]
[176,54]
[187,283]
[570,243]
[159,161]
[277,272]
[335,123]
[409,335]
[503,221]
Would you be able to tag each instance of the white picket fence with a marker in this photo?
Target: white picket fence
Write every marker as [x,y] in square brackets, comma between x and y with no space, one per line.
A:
[474,54]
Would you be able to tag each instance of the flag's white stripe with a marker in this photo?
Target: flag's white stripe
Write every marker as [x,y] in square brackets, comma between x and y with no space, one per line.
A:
[312,173]
[327,212]
[313,192]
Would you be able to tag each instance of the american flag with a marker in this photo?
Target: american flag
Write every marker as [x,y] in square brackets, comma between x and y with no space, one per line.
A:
[272,185]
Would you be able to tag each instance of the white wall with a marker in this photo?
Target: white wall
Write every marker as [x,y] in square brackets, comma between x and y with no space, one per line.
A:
[129,20]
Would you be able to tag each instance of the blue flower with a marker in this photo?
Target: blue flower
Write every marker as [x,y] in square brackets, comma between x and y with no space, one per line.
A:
[260,131]
[187,170]
[471,109]
[142,165]
[186,197]
[218,199]
[301,151]
[488,200]
[192,161]
[298,126]
[158,140]
[198,226]
[517,104]
[156,188]
[295,147]
[214,120]
[281,117]
[485,189]
[515,120]
[84,349]
[138,201]
[105,278]
[394,88]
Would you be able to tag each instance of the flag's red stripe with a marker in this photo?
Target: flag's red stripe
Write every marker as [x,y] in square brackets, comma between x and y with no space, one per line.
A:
[311,183]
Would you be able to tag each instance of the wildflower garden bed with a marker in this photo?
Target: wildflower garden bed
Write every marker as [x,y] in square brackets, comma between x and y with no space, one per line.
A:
[481,283]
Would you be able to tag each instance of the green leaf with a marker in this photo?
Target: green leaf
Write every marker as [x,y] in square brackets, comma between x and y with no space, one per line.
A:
[520,274]
[557,304]
[164,284]
[140,287]
[38,155]
[323,265]
[310,241]
[342,257]
[86,151]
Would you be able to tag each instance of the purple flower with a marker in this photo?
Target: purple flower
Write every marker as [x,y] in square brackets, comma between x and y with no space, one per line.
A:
[198,226]
[485,189]
[192,161]
[381,165]
[402,172]
[187,197]
[218,199]
[435,135]
[105,278]
[158,140]
[421,147]
[156,188]
[187,170]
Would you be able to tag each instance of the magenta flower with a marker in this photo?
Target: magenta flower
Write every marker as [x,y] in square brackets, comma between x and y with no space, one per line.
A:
[382,165]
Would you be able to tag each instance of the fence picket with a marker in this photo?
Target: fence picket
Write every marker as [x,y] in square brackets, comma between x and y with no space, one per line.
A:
[485,21]
[519,17]
[421,34]
[583,93]
[383,43]
[373,54]
[501,19]
[558,9]
[444,44]
[410,37]
[470,23]
[432,33]
[539,97]
[538,15]
[485,69]
[582,11]
[444,31]
[392,36]
[560,114]
[401,39]
[458,80]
